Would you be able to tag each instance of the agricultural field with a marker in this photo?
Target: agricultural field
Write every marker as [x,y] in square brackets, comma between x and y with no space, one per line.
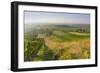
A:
[56,42]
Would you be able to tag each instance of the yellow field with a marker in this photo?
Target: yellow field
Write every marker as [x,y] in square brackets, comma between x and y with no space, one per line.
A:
[76,33]
[78,48]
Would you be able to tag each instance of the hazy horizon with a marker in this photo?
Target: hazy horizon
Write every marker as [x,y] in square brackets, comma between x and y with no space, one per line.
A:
[55,18]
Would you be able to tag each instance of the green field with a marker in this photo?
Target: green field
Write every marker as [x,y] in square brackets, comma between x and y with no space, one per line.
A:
[56,42]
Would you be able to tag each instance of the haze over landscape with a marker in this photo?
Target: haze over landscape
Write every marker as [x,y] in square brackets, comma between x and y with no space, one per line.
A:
[54,17]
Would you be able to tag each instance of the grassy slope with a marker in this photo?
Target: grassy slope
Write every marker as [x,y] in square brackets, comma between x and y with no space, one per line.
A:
[60,45]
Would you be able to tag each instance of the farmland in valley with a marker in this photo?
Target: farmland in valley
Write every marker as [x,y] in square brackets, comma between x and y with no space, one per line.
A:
[45,42]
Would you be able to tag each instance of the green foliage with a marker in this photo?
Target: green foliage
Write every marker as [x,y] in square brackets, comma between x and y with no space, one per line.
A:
[37,51]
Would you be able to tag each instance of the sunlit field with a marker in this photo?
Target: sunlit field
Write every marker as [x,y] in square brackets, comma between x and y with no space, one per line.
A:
[56,42]
[51,36]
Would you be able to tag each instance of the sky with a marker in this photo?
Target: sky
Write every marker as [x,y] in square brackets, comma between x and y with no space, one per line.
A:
[31,17]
